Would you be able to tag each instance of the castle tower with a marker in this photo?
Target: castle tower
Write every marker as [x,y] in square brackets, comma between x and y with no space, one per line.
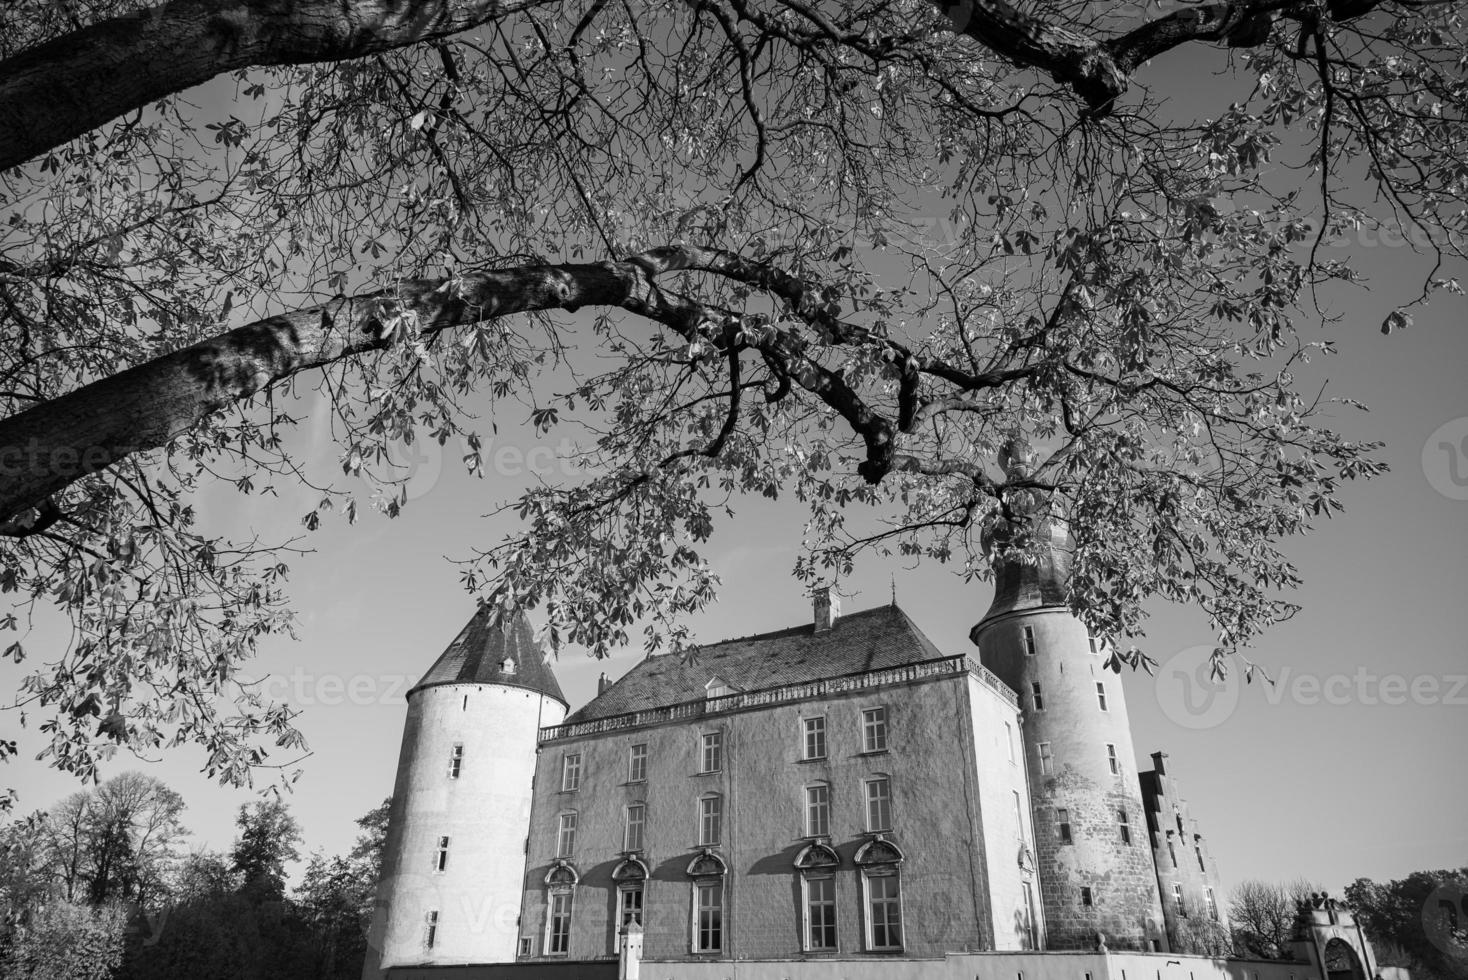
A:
[1093,855]
[454,859]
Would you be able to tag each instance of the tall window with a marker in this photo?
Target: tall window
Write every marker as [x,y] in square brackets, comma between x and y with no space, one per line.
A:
[710,819]
[1047,759]
[1177,897]
[818,810]
[1212,905]
[1062,825]
[558,925]
[1124,825]
[1112,760]
[709,917]
[629,908]
[636,819]
[456,760]
[1037,696]
[874,730]
[1087,899]
[637,763]
[820,913]
[1092,642]
[879,804]
[1019,816]
[430,929]
[1101,695]
[1029,641]
[570,771]
[815,738]
[1172,853]
[441,855]
[713,752]
[566,835]
[1009,739]
[884,911]
[1199,851]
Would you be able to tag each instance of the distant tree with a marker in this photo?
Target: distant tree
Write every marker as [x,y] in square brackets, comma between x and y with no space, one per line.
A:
[208,874]
[336,897]
[1424,917]
[373,839]
[66,941]
[1202,936]
[268,840]
[1262,916]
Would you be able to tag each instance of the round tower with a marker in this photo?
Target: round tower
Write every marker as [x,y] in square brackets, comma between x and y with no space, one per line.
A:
[454,861]
[1094,859]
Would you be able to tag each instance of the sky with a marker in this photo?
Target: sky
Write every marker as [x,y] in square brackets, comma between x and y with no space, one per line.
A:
[1351,765]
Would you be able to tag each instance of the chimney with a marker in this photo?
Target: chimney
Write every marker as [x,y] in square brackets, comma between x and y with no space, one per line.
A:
[1159,763]
[827,608]
[602,683]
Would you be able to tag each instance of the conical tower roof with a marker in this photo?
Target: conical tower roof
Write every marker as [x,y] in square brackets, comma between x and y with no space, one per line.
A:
[495,648]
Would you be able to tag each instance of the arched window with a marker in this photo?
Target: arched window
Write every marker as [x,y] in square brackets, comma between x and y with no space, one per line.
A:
[880,863]
[631,880]
[817,864]
[560,895]
[708,872]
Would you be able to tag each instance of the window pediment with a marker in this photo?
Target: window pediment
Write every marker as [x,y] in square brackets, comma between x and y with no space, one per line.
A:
[707,865]
[878,850]
[817,855]
[562,874]
[631,869]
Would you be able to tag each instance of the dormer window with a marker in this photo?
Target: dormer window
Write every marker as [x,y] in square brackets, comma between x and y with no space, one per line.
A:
[717,687]
[507,666]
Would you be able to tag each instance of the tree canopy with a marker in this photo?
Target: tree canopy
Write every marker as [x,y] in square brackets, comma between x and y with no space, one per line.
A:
[840,252]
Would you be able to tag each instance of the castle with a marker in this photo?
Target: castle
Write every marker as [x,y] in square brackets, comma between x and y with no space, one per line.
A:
[836,799]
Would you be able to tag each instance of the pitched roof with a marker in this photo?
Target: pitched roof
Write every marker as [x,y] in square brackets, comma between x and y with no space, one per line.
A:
[489,644]
[874,639]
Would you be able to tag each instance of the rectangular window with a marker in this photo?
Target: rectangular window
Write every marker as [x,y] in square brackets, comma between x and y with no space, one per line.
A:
[430,930]
[525,945]
[709,937]
[885,911]
[1124,824]
[710,819]
[1212,905]
[1047,760]
[879,804]
[815,738]
[570,771]
[637,763]
[1177,897]
[1062,825]
[456,761]
[1111,759]
[820,911]
[818,811]
[629,906]
[1037,697]
[441,856]
[636,819]
[558,932]
[566,835]
[1009,739]
[1101,695]
[1172,853]
[1019,816]
[1092,642]
[713,752]
[1201,866]
[1086,897]
[1029,641]
[874,730]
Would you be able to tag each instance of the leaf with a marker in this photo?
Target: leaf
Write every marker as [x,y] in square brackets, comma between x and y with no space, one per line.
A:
[1398,319]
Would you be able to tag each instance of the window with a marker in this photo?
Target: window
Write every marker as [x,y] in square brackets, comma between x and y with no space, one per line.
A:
[1124,824]
[566,835]
[430,929]
[1086,898]
[713,752]
[525,945]
[1009,739]
[1092,642]
[1179,815]
[558,924]
[1037,696]
[1062,825]
[570,771]
[884,911]
[1177,897]
[818,810]
[710,819]
[1212,905]
[1019,816]
[441,856]
[874,730]
[637,763]
[1101,695]
[815,738]
[1031,936]
[820,913]
[629,909]
[456,760]
[1029,641]
[635,820]
[879,804]
[1201,866]
[1047,760]
[708,917]
[1172,853]
[717,687]
[1111,759]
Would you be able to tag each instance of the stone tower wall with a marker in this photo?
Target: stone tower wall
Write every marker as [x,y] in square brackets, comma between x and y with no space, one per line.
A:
[1121,876]
[485,813]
